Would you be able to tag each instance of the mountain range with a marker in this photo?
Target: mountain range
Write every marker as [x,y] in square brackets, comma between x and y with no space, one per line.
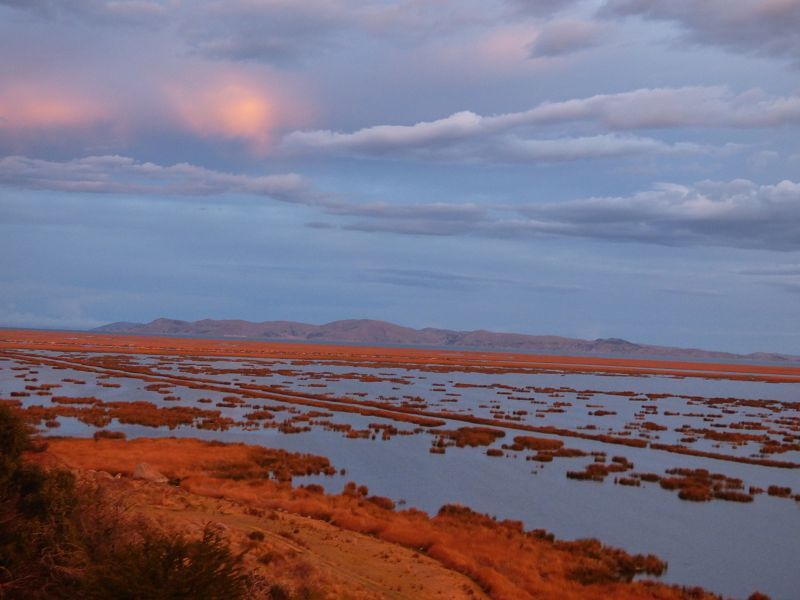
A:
[366,331]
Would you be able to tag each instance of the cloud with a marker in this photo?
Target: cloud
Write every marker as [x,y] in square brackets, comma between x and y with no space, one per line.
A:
[40,111]
[424,279]
[492,149]
[772,271]
[646,108]
[737,213]
[123,175]
[762,159]
[127,12]
[542,7]
[761,27]
[436,211]
[467,136]
[560,38]
[689,291]
[512,149]
[791,286]
[227,106]
[284,32]
[785,277]
[437,218]
[40,105]
[272,31]
[417,278]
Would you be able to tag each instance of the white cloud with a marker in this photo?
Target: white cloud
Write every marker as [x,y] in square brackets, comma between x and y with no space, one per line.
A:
[469,136]
[123,175]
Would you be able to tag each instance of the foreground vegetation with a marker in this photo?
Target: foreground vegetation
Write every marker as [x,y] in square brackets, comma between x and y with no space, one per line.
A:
[252,486]
[63,538]
[227,522]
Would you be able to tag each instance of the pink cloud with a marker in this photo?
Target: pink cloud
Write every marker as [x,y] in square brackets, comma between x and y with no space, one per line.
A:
[45,106]
[235,105]
[111,115]
[224,109]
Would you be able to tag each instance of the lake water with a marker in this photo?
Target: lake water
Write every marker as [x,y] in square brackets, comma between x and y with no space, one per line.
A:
[728,547]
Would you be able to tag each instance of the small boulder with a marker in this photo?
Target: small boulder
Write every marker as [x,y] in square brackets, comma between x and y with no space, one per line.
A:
[148,473]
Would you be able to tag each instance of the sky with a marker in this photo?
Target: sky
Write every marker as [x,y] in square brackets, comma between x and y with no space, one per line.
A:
[596,168]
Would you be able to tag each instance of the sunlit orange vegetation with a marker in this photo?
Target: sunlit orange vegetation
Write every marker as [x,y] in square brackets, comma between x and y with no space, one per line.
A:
[388,431]
[342,404]
[417,414]
[780,492]
[734,437]
[383,357]
[259,415]
[469,436]
[598,470]
[74,400]
[650,426]
[698,485]
[97,413]
[775,447]
[367,408]
[764,462]
[527,442]
[180,458]
[506,561]
[158,387]
[546,449]
[43,387]
[104,434]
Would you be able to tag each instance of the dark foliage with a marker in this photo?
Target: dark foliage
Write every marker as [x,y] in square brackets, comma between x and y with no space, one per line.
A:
[60,540]
[164,567]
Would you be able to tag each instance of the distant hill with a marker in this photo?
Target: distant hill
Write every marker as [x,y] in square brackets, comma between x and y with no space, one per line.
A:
[365,331]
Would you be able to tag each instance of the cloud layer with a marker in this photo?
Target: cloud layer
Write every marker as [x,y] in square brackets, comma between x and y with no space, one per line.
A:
[510,137]
[515,140]
[762,27]
[123,175]
[738,213]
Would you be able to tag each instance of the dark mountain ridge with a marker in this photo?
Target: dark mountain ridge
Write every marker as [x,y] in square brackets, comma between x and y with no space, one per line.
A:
[366,331]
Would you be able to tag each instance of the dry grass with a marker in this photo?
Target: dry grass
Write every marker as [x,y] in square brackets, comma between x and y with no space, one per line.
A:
[501,557]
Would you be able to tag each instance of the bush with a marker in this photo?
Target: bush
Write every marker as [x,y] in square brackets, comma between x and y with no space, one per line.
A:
[14,440]
[35,512]
[61,540]
[105,434]
[164,566]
